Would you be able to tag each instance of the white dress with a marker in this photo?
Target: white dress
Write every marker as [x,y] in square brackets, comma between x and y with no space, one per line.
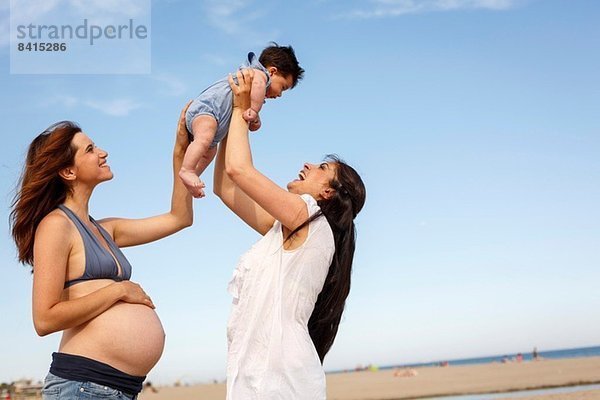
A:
[270,352]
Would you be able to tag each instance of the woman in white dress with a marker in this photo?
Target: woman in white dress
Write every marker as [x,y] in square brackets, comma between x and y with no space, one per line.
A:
[290,288]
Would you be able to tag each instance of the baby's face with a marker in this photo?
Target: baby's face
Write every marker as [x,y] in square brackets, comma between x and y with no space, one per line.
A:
[279,84]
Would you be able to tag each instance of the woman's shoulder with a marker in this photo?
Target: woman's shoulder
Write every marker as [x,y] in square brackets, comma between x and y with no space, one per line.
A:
[55,223]
[311,204]
[56,217]
[313,208]
[320,224]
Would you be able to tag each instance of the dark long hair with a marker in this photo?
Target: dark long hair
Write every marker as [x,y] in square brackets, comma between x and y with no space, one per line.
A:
[41,189]
[340,211]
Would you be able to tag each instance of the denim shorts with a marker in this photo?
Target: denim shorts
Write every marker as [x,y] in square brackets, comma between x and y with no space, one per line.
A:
[56,388]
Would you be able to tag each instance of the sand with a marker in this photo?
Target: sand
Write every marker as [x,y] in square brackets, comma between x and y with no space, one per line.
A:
[579,395]
[436,381]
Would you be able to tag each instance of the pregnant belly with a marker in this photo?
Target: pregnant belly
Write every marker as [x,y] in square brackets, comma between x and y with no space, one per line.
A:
[127,336]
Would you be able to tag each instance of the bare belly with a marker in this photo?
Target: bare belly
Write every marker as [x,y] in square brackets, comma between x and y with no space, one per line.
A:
[127,336]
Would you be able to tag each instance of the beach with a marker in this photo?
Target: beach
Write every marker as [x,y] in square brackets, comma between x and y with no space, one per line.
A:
[426,382]
[579,395]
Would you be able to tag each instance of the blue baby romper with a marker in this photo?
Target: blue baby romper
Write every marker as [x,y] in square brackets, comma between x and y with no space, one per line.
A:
[216,100]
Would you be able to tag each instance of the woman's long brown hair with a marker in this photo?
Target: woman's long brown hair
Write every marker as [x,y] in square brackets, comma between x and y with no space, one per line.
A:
[41,189]
[340,211]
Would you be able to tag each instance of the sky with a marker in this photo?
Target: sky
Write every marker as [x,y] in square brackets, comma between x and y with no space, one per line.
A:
[474,124]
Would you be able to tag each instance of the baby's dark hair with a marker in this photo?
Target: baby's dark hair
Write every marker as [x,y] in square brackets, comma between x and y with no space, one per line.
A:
[284,59]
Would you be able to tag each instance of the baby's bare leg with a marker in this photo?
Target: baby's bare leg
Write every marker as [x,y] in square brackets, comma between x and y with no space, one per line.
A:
[205,160]
[204,128]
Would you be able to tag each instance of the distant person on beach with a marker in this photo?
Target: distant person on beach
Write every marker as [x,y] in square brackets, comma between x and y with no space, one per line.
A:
[405,373]
[209,114]
[149,387]
[112,337]
[290,288]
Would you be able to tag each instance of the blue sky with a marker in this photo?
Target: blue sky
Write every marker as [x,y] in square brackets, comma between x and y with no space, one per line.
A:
[474,124]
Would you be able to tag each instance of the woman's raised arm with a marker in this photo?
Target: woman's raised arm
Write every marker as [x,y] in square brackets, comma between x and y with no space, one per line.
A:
[286,207]
[132,232]
[238,201]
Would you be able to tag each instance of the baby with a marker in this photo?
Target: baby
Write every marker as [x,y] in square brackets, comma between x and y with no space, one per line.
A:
[208,117]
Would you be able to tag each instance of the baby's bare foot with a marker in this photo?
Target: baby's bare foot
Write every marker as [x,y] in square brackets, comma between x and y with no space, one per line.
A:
[192,183]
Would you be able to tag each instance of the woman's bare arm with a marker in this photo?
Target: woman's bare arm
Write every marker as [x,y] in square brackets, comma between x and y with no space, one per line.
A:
[132,232]
[286,207]
[51,255]
[238,201]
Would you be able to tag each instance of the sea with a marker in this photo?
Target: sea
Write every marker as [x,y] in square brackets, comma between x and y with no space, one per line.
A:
[547,354]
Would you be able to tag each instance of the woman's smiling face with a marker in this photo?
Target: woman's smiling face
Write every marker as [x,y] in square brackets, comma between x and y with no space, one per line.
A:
[314,179]
[90,161]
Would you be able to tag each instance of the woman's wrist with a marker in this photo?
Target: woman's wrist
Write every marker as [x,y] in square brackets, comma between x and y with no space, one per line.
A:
[238,111]
[118,290]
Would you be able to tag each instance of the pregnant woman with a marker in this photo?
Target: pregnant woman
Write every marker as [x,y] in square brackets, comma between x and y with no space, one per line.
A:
[290,288]
[112,337]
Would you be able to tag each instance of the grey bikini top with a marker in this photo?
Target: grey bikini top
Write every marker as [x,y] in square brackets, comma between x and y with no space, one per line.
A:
[99,263]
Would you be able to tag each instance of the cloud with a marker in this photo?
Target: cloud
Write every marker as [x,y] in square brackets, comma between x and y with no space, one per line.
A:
[394,8]
[170,85]
[4,23]
[4,34]
[109,12]
[131,8]
[239,18]
[101,11]
[216,59]
[25,9]
[114,108]
[223,14]
[65,100]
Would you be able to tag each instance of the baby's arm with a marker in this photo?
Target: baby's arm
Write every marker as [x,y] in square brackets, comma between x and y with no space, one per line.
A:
[254,125]
[257,96]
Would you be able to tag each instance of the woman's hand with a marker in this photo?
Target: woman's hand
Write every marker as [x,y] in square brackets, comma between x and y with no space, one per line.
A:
[259,200]
[134,294]
[182,136]
[241,90]
[132,232]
